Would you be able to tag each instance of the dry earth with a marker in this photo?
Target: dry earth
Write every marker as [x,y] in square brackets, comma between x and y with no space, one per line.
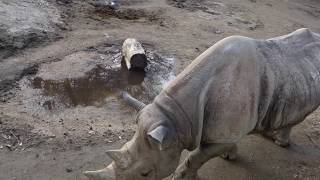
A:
[59,99]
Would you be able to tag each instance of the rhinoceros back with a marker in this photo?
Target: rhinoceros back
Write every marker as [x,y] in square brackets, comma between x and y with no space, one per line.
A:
[242,85]
[294,64]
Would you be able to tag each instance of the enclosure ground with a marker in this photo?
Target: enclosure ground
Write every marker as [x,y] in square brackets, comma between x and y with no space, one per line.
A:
[57,128]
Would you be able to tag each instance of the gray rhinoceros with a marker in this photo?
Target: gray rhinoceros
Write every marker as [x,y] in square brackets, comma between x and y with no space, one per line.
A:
[236,87]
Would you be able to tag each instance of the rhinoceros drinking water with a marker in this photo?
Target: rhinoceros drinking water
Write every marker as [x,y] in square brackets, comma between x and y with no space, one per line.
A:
[236,87]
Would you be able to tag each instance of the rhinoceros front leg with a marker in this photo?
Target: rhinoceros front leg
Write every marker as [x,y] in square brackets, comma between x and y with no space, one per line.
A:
[281,137]
[187,170]
[230,154]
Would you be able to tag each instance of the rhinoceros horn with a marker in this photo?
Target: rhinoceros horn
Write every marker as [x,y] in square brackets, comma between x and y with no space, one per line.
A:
[159,137]
[107,173]
[133,101]
[121,157]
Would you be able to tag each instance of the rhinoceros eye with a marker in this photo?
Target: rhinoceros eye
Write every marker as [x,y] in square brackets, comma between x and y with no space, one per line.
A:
[146,173]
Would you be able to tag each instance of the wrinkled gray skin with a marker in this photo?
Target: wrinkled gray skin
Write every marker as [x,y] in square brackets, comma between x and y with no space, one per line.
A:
[237,87]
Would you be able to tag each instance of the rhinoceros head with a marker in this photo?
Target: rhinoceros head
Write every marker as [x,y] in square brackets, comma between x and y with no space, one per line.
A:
[152,154]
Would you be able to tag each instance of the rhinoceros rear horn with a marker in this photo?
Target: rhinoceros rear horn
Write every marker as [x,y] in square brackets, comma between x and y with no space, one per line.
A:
[107,173]
[121,158]
[133,101]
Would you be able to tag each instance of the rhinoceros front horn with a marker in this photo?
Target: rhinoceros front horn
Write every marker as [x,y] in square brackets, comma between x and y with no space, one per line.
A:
[133,101]
[103,174]
[121,158]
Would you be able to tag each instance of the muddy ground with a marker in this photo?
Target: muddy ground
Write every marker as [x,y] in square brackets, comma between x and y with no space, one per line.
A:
[59,100]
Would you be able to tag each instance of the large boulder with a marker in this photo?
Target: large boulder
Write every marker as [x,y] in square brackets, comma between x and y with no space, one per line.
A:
[23,22]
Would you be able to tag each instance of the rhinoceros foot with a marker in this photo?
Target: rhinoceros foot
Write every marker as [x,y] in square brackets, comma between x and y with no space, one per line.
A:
[280,137]
[231,154]
[283,144]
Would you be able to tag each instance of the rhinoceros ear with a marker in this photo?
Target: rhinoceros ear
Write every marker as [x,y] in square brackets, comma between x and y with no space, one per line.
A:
[160,137]
[121,158]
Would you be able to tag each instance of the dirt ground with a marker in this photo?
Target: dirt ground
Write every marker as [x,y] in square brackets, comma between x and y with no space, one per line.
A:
[53,126]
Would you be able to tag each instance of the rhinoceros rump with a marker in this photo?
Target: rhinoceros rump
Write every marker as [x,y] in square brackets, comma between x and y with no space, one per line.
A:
[238,86]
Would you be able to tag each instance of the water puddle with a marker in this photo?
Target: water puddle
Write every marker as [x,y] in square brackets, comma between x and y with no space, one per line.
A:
[90,77]
[92,89]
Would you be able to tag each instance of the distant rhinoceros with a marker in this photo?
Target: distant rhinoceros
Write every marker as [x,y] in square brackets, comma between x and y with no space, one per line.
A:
[236,87]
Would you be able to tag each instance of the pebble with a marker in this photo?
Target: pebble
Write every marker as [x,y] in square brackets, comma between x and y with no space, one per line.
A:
[68,170]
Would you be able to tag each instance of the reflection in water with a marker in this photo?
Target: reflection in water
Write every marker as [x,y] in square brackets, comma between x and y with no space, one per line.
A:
[92,89]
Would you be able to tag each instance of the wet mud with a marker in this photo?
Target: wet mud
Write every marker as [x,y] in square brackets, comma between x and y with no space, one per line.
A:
[126,14]
[124,10]
[107,76]
[234,15]
[75,101]
[90,90]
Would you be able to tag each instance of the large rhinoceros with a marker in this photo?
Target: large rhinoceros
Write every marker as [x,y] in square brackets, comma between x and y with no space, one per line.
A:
[236,87]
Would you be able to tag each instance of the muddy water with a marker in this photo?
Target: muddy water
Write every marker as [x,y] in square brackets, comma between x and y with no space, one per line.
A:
[107,78]
[92,89]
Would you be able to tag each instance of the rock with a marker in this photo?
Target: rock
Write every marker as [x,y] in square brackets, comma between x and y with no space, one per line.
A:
[105,4]
[134,55]
[25,22]
[68,170]
[64,2]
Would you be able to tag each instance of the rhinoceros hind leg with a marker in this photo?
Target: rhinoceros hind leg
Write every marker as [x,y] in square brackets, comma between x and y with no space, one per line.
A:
[187,170]
[231,154]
